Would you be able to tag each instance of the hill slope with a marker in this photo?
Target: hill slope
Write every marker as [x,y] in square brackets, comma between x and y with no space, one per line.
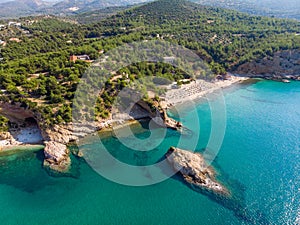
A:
[224,36]
[18,8]
[22,7]
[37,71]
[277,8]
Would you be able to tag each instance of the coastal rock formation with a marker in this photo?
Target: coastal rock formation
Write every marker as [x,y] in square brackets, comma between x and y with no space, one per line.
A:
[57,157]
[57,137]
[153,110]
[14,112]
[171,123]
[281,64]
[195,171]
[6,139]
[5,136]
[65,133]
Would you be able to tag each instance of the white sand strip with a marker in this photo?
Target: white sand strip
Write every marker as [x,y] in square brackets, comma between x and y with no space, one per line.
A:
[196,89]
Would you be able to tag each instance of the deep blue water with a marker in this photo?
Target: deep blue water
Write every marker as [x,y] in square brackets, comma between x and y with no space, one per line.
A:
[259,161]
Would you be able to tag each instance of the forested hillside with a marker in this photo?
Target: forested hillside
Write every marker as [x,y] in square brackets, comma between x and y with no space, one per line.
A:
[272,8]
[37,71]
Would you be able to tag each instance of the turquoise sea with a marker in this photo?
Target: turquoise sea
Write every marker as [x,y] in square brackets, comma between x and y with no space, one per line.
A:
[259,161]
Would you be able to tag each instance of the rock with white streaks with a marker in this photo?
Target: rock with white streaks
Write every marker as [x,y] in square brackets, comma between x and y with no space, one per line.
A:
[195,171]
[57,157]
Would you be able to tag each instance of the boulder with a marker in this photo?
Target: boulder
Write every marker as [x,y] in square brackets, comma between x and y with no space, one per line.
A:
[57,157]
[195,170]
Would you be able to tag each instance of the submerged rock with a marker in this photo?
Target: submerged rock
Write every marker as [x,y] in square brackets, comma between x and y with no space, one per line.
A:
[57,157]
[195,171]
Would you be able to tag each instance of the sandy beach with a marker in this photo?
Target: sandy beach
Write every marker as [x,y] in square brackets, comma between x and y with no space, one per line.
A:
[196,89]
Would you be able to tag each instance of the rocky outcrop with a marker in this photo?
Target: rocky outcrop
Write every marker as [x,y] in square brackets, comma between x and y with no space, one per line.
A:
[153,110]
[65,133]
[59,136]
[5,136]
[14,112]
[6,140]
[195,171]
[281,64]
[57,157]
[169,122]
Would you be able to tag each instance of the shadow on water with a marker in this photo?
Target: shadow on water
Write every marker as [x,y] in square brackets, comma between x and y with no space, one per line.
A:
[24,171]
[40,156]
[73,172]
[183,132]
[246,84]
[236,202]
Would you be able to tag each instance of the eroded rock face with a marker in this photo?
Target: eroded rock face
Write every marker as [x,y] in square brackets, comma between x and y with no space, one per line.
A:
[15,112]
[195,171]
[66,133]
[5,135]
[6,139]
[57,157]
[281,64]
[169,122]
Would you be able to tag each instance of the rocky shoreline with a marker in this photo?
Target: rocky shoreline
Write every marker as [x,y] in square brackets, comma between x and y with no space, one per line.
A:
[194,170]
[279,78]
[281,65]
[58,137]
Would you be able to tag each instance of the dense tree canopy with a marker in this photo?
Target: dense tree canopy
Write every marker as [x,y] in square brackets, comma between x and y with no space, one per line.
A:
[37,71]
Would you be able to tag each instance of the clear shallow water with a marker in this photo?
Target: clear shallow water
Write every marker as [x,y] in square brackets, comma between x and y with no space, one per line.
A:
[259,161]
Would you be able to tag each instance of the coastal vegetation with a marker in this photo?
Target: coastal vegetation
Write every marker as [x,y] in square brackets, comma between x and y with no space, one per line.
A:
[58,75]
[37,72]
[3,123]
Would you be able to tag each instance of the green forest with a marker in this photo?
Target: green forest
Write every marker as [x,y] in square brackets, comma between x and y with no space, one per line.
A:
[37,71]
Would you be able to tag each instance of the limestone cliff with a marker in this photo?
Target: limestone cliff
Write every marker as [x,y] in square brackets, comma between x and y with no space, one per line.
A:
[282,63]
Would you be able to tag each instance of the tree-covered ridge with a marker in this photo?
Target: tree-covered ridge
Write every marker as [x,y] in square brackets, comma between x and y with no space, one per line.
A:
[272,8]
[38,73]
[224,36]
[96,15]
